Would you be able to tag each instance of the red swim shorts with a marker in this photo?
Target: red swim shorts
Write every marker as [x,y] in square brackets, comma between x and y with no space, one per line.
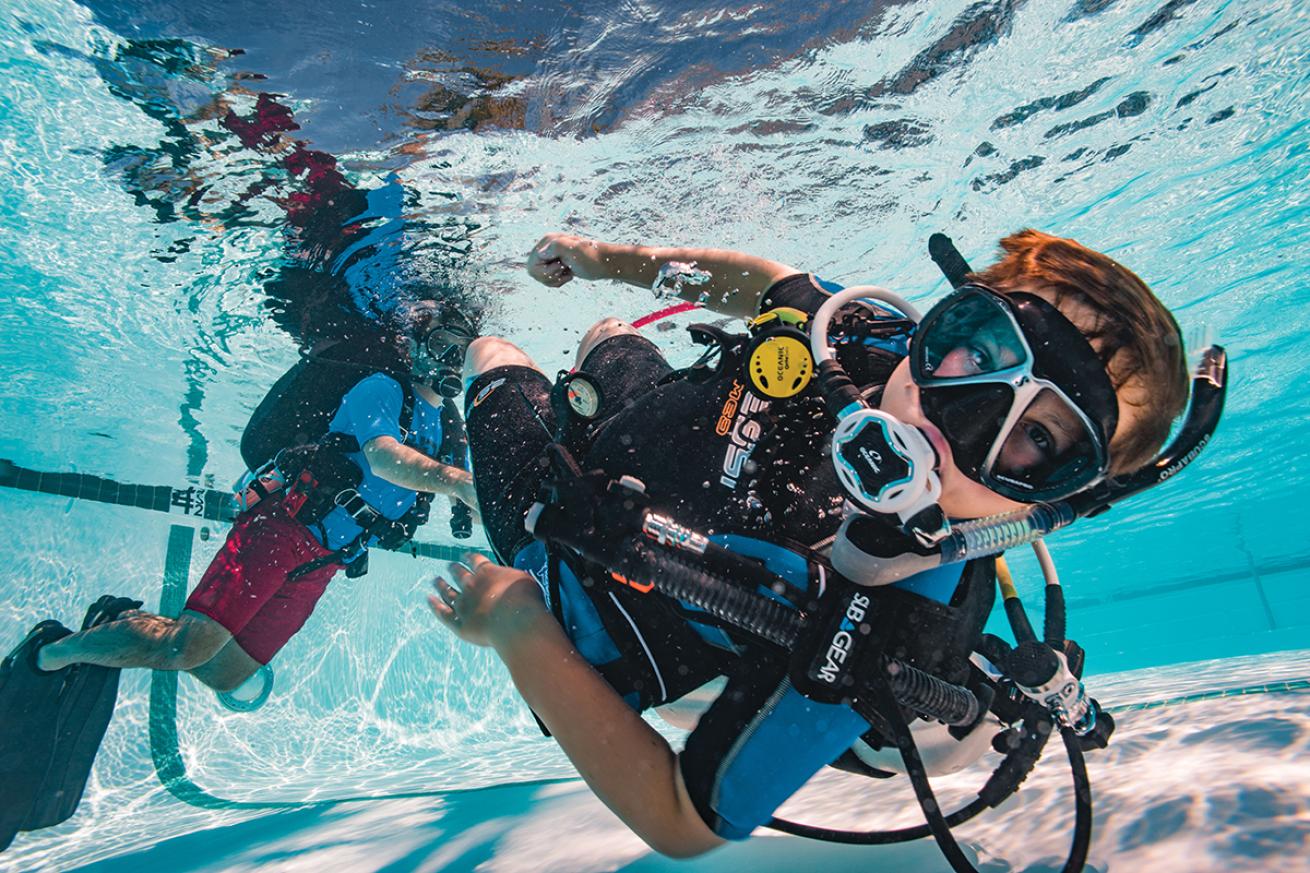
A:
[246,589]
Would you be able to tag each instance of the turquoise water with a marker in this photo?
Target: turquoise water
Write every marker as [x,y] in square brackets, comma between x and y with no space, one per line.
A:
[141,242]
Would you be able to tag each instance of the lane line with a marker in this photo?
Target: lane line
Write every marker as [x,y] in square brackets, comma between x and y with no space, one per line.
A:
[204,504]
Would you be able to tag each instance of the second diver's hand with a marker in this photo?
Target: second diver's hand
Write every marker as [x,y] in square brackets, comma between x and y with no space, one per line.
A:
[736,283]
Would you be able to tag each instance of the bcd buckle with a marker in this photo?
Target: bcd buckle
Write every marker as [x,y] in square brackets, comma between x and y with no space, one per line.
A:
[356,507]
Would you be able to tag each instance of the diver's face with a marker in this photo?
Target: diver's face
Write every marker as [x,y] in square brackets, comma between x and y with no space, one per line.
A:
[1046,426]
[422,366]
[441,375]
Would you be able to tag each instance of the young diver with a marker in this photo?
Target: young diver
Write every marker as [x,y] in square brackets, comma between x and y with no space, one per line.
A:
[1041,379]
[312,511]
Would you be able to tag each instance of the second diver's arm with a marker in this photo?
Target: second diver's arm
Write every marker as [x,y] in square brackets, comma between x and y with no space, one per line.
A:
[409,468]
[736,282]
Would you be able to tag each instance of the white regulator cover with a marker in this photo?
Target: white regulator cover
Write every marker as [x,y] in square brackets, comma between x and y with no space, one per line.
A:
[904,496]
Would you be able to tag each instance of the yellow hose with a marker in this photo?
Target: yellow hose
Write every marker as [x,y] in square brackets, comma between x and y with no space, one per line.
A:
[1005,580]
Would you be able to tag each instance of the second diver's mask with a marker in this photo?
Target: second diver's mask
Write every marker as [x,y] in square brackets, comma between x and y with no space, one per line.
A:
[439,359]
[1018,392]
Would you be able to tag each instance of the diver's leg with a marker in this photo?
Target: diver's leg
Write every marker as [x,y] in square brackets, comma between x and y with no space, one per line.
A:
[261,549]
[279,619]
[509,422]
[227,669]
[623,363]
[602,330]
[140,639]
[489,352]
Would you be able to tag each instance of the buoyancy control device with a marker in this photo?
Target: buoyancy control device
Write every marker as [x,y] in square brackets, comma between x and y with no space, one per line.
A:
[289,449]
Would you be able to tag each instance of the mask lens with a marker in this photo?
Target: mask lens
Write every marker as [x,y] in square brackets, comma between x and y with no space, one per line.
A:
[969,335]
[970,417]
[446,344]
[1048,453]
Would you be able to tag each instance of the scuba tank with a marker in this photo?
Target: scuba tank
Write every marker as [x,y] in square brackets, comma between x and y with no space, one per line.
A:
[298,409]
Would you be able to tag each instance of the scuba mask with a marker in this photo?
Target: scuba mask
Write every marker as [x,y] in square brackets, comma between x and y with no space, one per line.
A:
[439,358]
[1018,392]
[1014,387]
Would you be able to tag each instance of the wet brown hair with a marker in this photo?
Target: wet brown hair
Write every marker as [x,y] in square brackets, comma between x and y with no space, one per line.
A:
[1134,335]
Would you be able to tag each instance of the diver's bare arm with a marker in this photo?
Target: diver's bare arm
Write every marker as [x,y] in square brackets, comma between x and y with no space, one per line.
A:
[629,766]
[409,468]
[736,284]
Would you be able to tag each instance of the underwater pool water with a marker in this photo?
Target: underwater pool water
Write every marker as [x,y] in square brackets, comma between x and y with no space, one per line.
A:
[161,234]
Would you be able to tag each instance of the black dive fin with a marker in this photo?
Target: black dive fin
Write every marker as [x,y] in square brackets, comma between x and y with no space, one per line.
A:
[85,708]
[29,712]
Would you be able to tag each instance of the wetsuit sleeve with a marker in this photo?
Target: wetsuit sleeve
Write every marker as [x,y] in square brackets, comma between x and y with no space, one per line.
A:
[756,745]
[803,291]
[371,409]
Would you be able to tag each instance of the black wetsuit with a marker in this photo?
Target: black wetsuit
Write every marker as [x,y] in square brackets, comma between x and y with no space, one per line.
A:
[711,455]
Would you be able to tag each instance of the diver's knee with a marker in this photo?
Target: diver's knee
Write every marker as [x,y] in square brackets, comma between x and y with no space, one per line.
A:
[191,643]
[250,693]
[489,352]
[599,332]
[226,682]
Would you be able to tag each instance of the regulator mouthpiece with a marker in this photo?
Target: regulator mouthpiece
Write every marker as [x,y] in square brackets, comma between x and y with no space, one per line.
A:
[886,466]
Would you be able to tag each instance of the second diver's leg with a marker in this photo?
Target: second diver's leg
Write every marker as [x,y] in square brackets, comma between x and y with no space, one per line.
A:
[486,353]
[509,421]
[228,669]
[140,639]
[622,363]
[597,334]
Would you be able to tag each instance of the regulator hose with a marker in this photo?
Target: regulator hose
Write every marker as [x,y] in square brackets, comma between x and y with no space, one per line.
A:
[1004,782]
[1013,770]
[677,578]
[931,695]
[1082,807]
[775,623]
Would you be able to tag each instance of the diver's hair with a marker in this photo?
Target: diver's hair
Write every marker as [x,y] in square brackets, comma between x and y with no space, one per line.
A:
[1136,337]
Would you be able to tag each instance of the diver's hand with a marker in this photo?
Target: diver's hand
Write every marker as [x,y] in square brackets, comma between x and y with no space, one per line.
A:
[487,604]
[560,257]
